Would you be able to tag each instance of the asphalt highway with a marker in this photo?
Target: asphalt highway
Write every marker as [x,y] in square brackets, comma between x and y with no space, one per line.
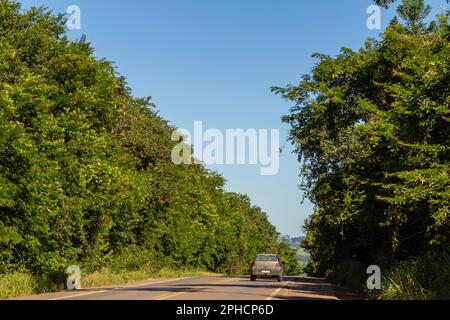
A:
[205,288]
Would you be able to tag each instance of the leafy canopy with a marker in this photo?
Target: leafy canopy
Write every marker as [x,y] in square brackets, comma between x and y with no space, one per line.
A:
[371,129]
[85,171]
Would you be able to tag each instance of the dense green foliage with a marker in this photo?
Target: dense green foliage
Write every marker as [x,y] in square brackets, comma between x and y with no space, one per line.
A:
[372,131]
[426,277]
[290,261]
[85,171]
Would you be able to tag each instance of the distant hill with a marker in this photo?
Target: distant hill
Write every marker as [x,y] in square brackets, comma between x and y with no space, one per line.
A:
[293,242]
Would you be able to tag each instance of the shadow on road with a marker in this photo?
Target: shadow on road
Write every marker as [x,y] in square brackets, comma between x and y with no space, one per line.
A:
[297,289]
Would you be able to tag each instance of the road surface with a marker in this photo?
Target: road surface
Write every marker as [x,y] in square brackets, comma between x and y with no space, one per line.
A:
[206,288]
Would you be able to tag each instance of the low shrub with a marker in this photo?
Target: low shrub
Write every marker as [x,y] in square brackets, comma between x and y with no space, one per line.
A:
[426,277]
[22,284]
[350,273]
[401,283]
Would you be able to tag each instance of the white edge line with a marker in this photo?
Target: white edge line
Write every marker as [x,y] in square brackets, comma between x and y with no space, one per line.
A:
[273,294]
[77,295]
[116,288]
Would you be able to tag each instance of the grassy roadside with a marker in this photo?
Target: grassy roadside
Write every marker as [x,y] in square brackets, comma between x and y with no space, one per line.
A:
[21,284]
[424,278]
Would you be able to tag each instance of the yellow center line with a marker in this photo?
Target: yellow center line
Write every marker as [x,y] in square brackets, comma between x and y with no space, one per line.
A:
[225,280]
[171,295]
[168,295]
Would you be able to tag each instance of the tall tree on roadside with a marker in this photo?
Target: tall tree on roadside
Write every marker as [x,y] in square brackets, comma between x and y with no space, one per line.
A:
[372,131]
[86,175]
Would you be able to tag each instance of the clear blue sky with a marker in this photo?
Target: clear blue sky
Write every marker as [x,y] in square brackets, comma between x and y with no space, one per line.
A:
[215,61]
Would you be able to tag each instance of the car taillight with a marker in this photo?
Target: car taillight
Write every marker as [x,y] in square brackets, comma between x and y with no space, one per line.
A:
[278,264]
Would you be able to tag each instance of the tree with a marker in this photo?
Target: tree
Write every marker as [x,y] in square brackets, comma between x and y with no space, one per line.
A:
[86,175]
[372,131]
[414,12]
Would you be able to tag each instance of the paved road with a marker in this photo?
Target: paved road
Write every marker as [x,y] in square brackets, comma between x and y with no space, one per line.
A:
[205,288]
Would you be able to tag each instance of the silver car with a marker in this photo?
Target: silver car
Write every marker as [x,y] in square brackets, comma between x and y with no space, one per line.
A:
[266,266]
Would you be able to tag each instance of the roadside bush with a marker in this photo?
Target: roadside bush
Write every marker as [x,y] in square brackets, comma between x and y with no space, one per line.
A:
[21,284]
[401,283]
[133,260]
[16,284]
[350,273]
[289,260]
[427,277]
[433,271]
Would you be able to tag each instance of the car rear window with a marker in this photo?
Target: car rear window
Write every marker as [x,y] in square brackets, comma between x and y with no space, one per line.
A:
[266,257]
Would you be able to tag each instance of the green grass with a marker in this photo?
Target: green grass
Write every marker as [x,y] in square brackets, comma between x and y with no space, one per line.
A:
[422,278]
[19,284]
[402,283]
[426,277]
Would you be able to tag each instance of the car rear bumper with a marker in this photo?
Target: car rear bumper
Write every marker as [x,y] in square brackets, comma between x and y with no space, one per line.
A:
[274,272]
